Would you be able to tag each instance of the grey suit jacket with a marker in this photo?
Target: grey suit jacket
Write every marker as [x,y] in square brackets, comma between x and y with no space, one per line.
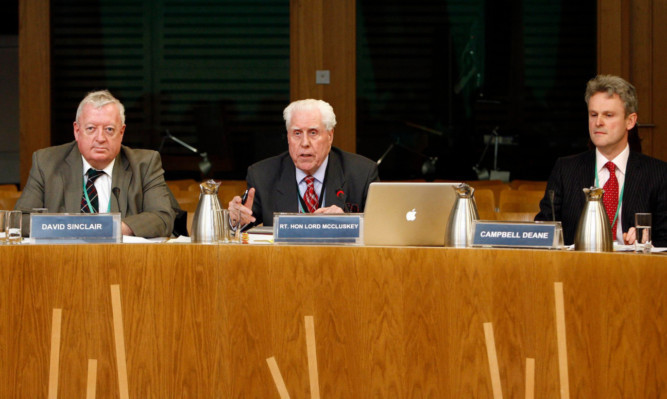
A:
[274,179]
[144,201]
[645,191]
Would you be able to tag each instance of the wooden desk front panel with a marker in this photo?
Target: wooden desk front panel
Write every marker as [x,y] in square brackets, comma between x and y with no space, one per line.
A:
[200,320]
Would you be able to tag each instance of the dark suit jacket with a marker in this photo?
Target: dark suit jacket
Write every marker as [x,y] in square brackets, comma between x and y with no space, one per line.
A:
[144,201]
[274,179]
[645,191]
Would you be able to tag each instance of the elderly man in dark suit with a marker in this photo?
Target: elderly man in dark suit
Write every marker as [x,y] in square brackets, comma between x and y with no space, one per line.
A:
[312,176]
[96,173]
[632,182]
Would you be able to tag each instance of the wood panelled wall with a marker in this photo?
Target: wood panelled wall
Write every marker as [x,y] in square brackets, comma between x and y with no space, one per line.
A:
[323,36]
[34,80]
[629,46]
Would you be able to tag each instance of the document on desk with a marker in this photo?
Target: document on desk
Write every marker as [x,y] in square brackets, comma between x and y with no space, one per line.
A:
[142,240]
[625,248]
[631,248]
[260,235]
[180,239]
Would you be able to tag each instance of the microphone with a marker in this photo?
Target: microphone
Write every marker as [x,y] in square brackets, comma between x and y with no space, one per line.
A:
[205,164]
[552,194]
[116,193]
[341,195]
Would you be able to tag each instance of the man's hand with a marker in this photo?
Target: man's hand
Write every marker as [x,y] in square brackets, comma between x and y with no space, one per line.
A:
[630,237]
[125,229]
[329,209]
[236,208]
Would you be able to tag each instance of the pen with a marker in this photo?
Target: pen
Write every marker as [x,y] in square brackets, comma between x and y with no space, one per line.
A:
[244,198]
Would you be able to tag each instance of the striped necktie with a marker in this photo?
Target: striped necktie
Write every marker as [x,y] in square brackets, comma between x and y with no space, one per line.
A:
[91,192]
[309,197]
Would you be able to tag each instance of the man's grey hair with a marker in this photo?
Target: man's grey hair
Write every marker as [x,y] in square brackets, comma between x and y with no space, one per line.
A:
[611,85]
[99,99]
[326,111]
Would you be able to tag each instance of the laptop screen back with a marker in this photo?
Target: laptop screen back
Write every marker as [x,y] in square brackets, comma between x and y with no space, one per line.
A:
[408,213]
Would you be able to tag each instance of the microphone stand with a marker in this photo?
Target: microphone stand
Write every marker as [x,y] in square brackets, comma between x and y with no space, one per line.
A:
[428,167]
[204,164]
[483,173]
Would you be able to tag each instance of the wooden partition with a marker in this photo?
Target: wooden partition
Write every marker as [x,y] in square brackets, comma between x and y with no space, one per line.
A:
[199,321]
[34,80]
[323,37]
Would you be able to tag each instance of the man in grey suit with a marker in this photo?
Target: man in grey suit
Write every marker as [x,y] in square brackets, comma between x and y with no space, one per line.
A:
[311,177]
[126,180]
[641,181]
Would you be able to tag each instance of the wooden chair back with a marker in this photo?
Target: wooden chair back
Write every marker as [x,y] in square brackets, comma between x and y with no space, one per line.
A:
[517,216]
[227,190]
[534,186]
[520,201]
[486,204]
[496,186]
[8,199]
[8,187]
[180,185]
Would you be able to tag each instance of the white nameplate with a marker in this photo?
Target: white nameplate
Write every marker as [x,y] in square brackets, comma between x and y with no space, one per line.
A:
[75,228]
[318,228]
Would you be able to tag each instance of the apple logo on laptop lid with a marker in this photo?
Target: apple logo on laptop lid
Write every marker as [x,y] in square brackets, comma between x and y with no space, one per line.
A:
[411,215]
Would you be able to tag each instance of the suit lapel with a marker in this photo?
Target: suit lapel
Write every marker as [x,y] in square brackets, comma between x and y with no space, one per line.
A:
[286,190]
[72,179]
[120,178]
[632,184]
[588,177]
[335,182]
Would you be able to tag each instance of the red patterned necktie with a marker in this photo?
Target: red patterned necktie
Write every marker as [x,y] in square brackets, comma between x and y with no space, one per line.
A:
[610,198]
[91,191]
[309,197]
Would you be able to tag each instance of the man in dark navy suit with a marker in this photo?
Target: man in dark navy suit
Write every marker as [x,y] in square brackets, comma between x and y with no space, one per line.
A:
[641,181]
[312,176]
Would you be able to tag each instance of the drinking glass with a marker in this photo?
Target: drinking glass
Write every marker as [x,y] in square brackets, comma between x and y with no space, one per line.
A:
[643,230]
[225,226]
[3,227]
[13,227]
[237,226]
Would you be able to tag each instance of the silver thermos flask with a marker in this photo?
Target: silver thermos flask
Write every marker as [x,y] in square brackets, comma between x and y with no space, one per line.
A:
[593,232]
[206,227]
[459,227]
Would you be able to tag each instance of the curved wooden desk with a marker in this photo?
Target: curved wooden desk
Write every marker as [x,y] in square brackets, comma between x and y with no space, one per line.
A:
[201,320]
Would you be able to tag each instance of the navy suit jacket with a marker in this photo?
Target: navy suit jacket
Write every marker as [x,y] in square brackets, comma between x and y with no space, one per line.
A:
[645,191]
[274,179]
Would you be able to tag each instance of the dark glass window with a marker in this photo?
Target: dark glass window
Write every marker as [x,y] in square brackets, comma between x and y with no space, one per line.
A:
[213,73]
[435,77]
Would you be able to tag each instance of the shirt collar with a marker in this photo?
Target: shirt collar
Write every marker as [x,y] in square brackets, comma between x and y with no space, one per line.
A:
[621,160]
[318,175]
[107,170]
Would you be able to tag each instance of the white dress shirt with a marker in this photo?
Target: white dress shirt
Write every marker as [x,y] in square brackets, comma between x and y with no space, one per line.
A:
[102,185]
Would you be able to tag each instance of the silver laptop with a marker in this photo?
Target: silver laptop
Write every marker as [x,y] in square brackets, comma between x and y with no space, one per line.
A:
[408,213]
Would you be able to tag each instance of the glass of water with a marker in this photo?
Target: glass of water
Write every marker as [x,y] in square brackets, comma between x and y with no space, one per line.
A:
[643,226]
[13,227]
[3,227]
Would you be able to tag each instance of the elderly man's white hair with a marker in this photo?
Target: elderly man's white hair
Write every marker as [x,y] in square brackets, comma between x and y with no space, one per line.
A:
[326,110]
